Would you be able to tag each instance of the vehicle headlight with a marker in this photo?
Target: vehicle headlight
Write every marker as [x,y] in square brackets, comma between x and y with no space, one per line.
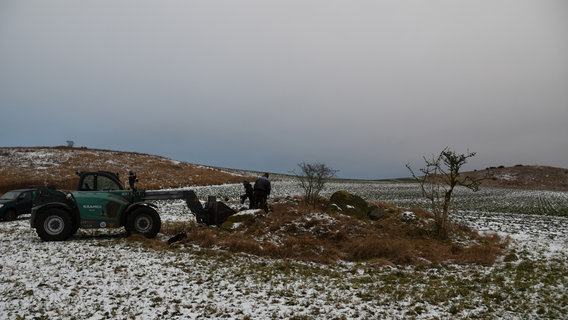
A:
[1,205]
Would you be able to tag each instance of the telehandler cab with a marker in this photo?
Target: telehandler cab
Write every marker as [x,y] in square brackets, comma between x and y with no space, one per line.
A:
[101,201]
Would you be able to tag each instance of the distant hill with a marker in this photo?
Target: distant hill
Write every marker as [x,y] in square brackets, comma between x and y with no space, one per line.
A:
[524,177]
[39,166]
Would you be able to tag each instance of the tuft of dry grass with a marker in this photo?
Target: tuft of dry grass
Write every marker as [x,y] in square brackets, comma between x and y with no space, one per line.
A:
[395,250]
[485,252]
[239,242]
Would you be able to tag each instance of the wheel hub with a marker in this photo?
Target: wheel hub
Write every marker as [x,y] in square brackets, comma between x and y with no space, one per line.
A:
[143,224]
[54,225]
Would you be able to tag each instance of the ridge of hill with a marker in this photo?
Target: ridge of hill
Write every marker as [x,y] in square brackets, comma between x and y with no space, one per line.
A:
[22,167]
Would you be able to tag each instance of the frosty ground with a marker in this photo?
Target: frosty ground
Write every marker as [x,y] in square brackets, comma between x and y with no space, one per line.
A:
[105,275]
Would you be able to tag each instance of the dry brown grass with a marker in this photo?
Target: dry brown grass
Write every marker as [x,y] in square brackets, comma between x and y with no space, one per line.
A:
[484,252]
[290,231]
[43,166]
[395,250]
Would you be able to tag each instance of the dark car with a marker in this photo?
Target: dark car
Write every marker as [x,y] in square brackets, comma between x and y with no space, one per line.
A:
[16,202]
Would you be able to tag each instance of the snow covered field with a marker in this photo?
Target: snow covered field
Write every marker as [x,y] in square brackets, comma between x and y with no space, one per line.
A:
[104,275]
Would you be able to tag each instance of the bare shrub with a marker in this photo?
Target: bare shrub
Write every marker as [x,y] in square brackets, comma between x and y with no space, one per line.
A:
[312,177]
[438,180]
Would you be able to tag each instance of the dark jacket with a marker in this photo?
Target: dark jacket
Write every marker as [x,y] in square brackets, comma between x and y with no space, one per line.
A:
[248,188]
[262,184]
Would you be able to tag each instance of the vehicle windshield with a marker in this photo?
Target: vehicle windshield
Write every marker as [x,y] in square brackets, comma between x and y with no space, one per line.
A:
[10,195]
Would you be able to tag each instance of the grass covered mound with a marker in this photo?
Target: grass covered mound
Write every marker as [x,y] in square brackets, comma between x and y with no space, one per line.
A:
[291,231]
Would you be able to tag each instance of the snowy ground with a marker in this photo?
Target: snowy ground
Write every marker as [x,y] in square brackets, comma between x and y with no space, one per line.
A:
[103,275]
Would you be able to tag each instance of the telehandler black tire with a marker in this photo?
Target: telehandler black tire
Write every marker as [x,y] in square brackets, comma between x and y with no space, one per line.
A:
[145,221]
[54,224]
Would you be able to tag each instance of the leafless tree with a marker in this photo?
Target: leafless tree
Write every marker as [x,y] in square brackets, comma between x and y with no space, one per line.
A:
[312,177]
[438,180]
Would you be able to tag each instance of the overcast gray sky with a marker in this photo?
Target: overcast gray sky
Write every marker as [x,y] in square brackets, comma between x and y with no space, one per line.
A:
[364,86]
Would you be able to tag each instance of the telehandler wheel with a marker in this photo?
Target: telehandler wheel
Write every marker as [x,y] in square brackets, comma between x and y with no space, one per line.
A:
[54,224]
[145,221]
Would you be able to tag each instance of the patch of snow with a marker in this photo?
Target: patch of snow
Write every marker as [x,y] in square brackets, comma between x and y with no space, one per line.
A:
[507,177]
[408,216]
[247,212]
[317,216]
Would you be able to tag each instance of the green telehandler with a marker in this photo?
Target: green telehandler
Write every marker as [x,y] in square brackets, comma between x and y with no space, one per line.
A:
[101,201]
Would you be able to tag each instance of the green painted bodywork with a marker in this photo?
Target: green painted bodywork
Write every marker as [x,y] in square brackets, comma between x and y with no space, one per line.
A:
[102,209]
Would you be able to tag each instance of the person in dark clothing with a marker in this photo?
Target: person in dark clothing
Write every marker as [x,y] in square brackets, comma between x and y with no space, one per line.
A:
[132,179]
[249,194]
[262,191]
